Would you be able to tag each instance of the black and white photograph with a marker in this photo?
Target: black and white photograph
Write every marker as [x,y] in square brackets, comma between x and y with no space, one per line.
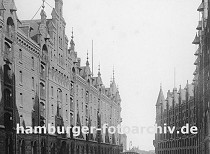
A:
[104,76]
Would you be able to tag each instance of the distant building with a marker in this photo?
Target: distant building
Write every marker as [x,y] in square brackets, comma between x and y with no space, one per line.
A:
[136,150]
[43,82]
[177,109]
[123,140]
[129,153]
[202,77]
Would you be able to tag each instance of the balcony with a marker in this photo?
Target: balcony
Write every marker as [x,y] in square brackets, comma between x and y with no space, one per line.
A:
[199,27]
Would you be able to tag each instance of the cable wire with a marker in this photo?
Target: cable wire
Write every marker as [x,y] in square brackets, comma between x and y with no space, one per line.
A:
[36,12]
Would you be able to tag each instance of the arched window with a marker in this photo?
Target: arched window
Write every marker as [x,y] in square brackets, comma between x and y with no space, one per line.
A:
[33,147]
[71,118]
[9,145]
[59,95]
[21,147]
[42,90]
[52,151]
[77,152]
[10,27]
[71,104]
[44,52]
[42,72]
[59,102]
[43,147]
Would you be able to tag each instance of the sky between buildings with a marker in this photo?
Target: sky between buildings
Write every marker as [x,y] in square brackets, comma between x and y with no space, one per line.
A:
[143,39]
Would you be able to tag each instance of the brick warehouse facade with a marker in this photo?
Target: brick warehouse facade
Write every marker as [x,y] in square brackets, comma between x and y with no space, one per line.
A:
[43,82]
[177,109]
[201,77]
[201,97]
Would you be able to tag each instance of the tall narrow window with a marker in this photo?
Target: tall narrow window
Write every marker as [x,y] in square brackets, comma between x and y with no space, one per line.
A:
[59,102]
[71,118]
[77,89]
[82,92]
[82,106]
[52,109]
[33,83]
[21,99]
[32,59]
[52,91]
[21,77]
[33,102]
[72,86]
[66,114]
[42,90]
[20,55]
[42,71]
[86,110]
[71,104]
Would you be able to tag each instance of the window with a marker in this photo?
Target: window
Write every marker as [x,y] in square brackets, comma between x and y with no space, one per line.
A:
[59,59]
[82,106]
[66,98]
[20,55]
[32,59]
[77,89]
[21,77]
[66,114]
[42,71]
[51,90]
[82,120]
[59,102]
[52,109]
[86,108]
[71,118]
[21,99]
[82,92]
[42,109]
[10,27]
[33,102]
[72,86]
[42,90]
[33,83]
[77,106]
[71,104]
[59,95]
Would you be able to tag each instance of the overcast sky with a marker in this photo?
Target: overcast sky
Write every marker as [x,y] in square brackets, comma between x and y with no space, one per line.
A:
[143,39]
